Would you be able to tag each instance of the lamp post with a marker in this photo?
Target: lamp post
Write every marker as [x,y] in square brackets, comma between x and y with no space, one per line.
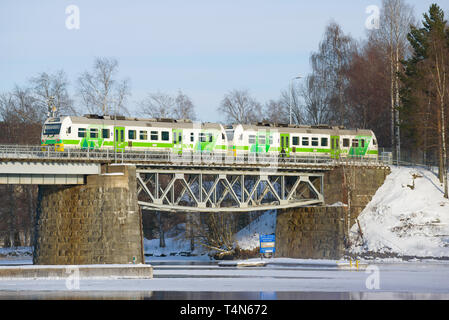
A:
[290,95]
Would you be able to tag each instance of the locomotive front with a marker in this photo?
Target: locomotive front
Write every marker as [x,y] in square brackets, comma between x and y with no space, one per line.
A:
[51,133]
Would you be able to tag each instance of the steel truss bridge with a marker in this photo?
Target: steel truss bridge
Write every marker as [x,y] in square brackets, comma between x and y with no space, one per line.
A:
[187,182]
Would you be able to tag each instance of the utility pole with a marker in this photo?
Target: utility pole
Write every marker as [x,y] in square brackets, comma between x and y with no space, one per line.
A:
[52,110]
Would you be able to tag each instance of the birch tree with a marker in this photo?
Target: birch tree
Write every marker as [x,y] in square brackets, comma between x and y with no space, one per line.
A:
[100,91]
[52,90]
[396,17]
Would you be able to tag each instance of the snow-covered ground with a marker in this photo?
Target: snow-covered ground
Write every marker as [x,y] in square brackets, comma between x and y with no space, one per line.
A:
[408,216]
[176,244]
[16,252]
[248,237]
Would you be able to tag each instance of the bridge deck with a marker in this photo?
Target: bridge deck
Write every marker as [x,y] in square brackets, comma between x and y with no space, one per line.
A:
[163,159]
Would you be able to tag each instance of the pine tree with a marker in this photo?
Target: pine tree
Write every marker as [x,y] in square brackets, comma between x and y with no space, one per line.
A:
[426,79]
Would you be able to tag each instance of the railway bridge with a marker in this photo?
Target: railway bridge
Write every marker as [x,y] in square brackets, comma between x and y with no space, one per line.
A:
[91,199]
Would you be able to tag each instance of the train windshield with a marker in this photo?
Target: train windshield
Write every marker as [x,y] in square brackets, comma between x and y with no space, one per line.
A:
[52,129]
[230,134]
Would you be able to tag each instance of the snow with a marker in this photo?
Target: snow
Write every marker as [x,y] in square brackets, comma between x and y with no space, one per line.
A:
[248,237]
[16,252]
[175,244]
[408,216]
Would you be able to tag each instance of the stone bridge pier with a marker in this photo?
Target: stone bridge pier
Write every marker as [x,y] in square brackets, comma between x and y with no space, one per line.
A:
[322,231]
[96,223]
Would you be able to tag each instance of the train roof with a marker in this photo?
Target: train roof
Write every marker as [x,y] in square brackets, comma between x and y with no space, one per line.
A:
[142,122]
[318,129]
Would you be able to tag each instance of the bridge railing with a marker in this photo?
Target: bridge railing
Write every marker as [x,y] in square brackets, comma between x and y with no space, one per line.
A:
[271,160]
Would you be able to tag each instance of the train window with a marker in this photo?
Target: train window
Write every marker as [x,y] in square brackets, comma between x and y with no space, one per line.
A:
[165,136]
[345,143]
[251,139]
[202,137]
[262,140]
[270,140]
[355,143]
[143,135]
[52,128]
[105,133]
[69,130]
[210,137]
[295,141]
[324,142]
[154,135]
[305,141]
[374,142]
[362,141]
[192,136]
[131,134]
[81,132]
[230,134]
[222,136]
[93,133]
[315,142]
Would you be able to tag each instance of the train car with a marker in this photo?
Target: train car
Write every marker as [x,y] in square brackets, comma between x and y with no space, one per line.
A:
[299,140]
[93,132]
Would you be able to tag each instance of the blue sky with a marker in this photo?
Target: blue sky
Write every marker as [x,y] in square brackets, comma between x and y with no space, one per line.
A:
[203,47]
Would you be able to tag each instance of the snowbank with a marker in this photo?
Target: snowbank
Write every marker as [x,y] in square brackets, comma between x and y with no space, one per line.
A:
[408,216]
[248,237]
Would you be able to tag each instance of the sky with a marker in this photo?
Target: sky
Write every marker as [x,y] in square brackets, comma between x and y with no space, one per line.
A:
[205,48]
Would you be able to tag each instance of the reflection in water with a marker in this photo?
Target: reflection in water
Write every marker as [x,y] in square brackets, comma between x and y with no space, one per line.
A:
[208,295]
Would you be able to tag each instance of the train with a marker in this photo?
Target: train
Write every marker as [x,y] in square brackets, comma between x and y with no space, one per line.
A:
[119,133]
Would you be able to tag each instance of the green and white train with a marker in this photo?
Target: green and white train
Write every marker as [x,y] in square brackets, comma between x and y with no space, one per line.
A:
[95,132]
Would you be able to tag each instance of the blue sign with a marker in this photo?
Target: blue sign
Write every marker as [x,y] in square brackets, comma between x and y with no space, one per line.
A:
[267,242]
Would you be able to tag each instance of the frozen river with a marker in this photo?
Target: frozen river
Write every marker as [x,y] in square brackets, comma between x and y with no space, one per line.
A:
[201,280]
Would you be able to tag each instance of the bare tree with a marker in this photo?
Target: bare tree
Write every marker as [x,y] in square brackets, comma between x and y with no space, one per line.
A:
[157,105]
[291,100]
[316,108]
[239,107]
[276,111]
[328,81]
[100,91]
[162,105]
[51,90]
[216,232]
[184,108]
[395,20]
[22,106]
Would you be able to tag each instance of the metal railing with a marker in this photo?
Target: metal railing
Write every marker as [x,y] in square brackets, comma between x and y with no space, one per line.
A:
[27,152]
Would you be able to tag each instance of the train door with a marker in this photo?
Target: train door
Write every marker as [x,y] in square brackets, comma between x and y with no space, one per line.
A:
[285,144]
[119,138]
[177,141]
[335,147]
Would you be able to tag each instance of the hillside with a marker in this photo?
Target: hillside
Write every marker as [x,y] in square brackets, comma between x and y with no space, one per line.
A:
[408,216]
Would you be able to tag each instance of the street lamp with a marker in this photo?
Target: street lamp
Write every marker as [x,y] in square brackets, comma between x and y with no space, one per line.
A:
[290,95]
